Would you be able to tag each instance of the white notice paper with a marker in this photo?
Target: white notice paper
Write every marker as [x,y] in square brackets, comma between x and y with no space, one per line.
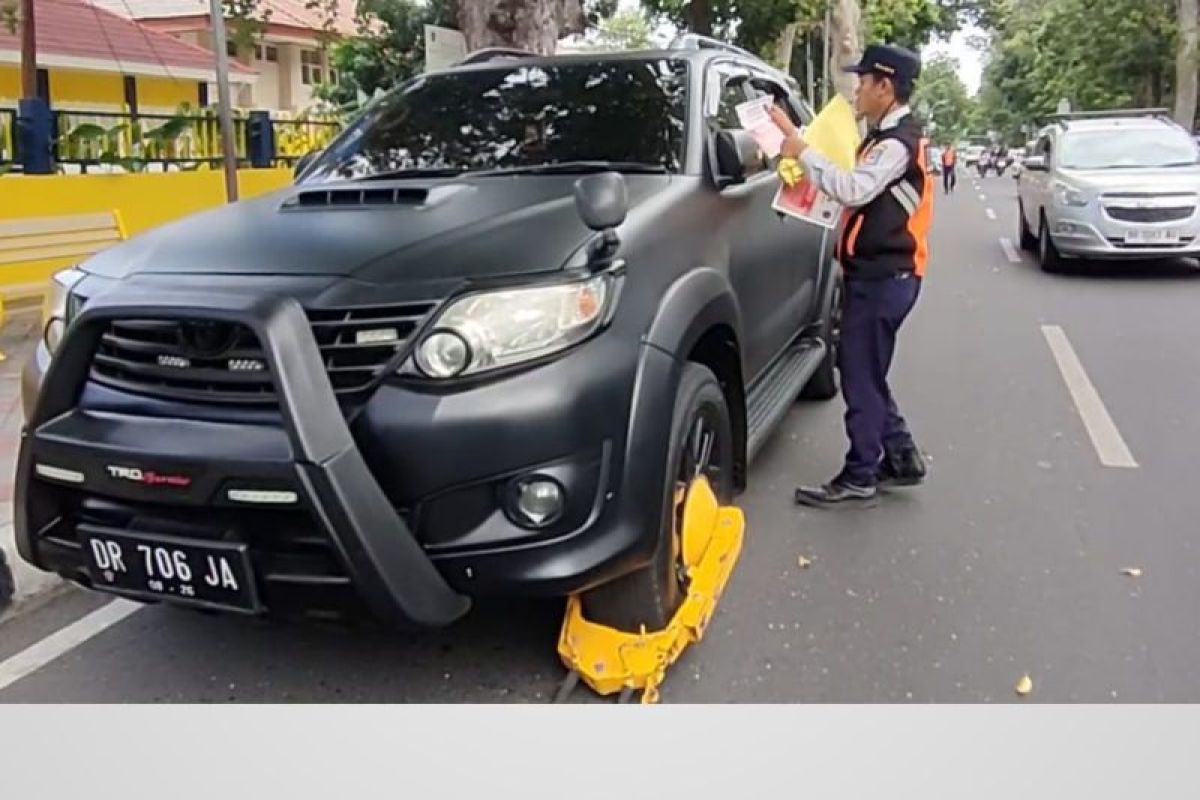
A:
[757,122]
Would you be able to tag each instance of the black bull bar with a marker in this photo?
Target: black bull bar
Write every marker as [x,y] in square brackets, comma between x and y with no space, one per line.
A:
[392,573]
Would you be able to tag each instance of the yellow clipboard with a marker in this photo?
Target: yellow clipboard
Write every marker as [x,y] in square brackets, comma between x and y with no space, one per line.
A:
[834,133]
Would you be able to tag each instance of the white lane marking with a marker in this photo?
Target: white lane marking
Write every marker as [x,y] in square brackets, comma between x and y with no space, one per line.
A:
[1010,250]
[983,197]
[62,641]
[1110,447]
[990,214]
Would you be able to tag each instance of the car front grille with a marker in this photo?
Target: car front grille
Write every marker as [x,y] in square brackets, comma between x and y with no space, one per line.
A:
[1176,214]
[214,362]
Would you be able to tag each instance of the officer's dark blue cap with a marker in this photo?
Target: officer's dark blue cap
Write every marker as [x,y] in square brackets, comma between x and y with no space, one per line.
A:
[901,65]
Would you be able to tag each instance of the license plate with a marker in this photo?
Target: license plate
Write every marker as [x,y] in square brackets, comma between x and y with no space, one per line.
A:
[1152,236]
[214,575]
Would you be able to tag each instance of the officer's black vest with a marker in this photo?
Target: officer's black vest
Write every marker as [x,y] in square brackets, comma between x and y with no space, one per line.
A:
[889,235]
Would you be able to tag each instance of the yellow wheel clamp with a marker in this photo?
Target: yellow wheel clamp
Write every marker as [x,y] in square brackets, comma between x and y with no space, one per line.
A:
[612,661]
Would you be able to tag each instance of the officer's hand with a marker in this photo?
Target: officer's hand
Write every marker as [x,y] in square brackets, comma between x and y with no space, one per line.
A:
[782,121]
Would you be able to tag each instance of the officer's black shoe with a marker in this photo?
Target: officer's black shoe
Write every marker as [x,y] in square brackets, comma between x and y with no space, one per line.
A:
[837,494]
[905,467]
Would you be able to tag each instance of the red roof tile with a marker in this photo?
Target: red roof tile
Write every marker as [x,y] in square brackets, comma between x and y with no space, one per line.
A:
[78,29]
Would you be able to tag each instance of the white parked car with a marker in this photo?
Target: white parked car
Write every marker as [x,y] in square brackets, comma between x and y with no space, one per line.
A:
[1111,185]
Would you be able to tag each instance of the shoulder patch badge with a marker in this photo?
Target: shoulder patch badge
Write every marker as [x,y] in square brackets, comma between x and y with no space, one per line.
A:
[872,156]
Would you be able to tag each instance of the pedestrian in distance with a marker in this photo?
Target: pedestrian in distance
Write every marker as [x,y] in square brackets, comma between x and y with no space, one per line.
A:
[883,249]
[949,169]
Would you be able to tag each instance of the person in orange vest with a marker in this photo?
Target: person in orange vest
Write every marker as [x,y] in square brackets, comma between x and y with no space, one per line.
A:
[883,249]
[949,167]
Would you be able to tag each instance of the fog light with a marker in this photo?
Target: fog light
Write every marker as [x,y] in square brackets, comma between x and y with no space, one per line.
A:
[443,355]
[536,502]
[262,496]
[58,473]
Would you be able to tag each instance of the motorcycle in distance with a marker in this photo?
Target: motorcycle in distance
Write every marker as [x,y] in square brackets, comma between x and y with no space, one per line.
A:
[982,164]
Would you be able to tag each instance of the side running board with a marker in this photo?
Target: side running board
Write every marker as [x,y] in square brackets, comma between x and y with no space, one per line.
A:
[773,396]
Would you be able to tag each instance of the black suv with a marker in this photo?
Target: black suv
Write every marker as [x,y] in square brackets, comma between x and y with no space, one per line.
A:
[476,348]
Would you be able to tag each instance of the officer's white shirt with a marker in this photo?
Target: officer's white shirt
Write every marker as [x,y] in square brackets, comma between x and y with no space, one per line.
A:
[882,164]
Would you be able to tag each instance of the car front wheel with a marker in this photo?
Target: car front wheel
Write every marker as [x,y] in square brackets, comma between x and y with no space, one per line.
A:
[1048,255]
[701,444]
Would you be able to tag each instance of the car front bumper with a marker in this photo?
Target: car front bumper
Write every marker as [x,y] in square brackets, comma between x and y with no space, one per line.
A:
[1090,232]
[400,503]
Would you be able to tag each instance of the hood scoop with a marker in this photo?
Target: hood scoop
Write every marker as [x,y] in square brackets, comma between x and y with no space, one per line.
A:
[351,197]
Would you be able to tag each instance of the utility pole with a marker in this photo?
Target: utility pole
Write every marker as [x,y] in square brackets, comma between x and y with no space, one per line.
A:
[224,104]
[826,78]
[28,50]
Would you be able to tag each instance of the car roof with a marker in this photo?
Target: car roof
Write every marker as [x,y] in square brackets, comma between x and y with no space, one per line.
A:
[1130,121]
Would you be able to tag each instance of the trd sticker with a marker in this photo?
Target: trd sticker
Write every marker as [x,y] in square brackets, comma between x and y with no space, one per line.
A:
[148,477]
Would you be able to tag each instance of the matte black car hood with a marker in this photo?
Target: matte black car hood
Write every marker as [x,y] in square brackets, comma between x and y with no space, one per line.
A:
[399,231]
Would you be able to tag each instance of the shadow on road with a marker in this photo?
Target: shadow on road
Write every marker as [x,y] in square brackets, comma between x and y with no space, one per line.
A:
[1173,269]
[504,651]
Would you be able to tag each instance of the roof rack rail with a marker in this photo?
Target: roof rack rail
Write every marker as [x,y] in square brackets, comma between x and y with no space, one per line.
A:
[694,41]
[1122,113]
[493,54]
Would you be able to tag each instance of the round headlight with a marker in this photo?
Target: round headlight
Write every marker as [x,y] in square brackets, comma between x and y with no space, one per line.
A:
[443,355]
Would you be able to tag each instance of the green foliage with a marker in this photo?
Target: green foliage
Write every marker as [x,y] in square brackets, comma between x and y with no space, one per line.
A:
[942,100]
[1111,54]
[388,49]
[625,30]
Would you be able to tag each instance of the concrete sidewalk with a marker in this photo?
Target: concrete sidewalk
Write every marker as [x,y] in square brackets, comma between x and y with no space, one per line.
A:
[17,341]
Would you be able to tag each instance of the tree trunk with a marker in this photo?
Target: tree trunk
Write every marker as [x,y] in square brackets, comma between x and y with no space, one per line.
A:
[700,17]
[534,25]
[1186,63]
[784,46]
[846,45]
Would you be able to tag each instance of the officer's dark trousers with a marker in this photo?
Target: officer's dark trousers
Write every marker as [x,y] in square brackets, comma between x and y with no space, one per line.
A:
[872,315]
[949,179]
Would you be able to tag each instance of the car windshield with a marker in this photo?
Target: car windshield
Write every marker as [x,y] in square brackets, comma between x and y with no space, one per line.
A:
[626,112]
[1144,148]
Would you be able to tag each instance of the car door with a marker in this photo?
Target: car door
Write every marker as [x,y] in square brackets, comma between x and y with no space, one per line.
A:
[772,264]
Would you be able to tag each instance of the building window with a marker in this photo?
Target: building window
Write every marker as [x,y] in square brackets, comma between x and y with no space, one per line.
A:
[266,53]
[310,67]
[231,48]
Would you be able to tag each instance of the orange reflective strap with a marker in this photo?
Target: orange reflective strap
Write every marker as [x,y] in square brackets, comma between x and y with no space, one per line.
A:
[852,237]
[921,220]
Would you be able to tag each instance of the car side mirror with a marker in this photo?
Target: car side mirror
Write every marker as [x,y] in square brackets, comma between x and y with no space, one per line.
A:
[602,202]
[303,162]
[1035,164]
[736,157]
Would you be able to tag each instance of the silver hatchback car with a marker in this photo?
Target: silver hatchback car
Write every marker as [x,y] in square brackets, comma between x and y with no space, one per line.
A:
[1111,185]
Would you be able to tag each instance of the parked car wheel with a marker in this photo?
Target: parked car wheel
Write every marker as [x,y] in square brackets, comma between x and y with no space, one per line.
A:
[823,385]
[1048,255]
[701,444]
[1025,236]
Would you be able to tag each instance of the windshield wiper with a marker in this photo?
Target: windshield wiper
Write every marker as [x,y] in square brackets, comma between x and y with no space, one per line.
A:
[576,168]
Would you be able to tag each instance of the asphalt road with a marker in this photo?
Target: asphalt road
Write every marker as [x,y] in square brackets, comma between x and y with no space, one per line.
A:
[1009,561]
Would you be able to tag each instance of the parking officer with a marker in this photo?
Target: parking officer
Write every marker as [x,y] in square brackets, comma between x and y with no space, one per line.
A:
[883,250]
